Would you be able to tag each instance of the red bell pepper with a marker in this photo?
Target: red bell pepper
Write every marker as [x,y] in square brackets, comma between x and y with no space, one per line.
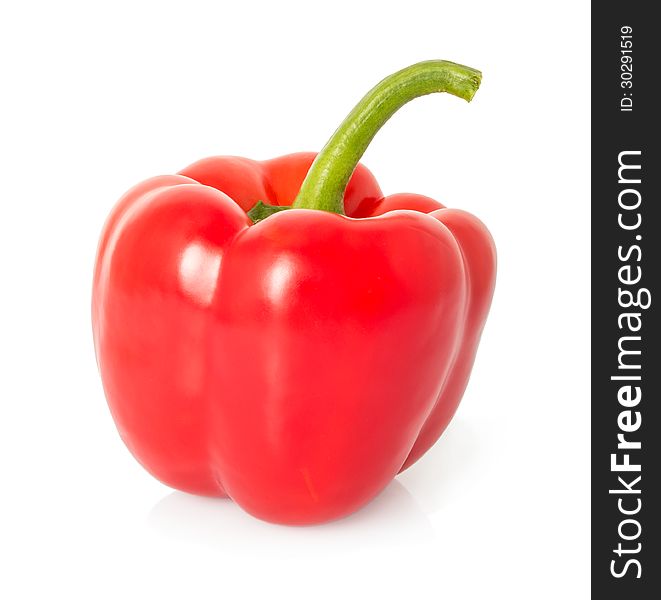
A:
[297,356]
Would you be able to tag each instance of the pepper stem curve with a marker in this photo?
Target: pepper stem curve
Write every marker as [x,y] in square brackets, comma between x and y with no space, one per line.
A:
[327,179]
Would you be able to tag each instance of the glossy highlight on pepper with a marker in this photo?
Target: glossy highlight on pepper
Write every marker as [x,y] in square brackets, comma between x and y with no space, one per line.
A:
[282,333]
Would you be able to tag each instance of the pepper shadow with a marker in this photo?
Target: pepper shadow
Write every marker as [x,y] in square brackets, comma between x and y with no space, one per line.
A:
[448,469]
[393,518]
[398,516]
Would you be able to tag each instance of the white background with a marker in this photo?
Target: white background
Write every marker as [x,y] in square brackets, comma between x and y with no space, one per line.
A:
[97,97]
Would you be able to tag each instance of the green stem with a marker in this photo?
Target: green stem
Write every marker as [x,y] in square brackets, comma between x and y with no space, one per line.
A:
[261,210]
[324,185]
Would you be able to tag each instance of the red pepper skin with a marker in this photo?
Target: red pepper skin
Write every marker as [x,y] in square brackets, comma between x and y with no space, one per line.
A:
[296,365]
[274,181]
